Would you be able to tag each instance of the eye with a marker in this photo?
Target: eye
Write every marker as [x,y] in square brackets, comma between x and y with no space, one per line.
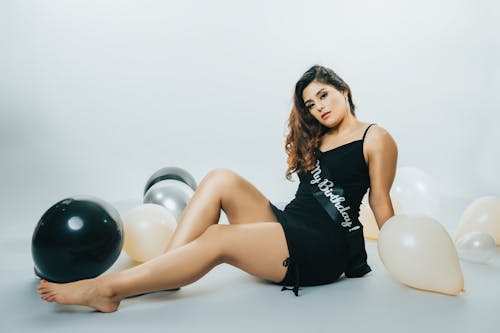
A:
[321,97]
[309,106]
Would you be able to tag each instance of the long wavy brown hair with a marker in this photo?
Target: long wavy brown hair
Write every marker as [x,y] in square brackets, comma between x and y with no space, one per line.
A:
[304,131]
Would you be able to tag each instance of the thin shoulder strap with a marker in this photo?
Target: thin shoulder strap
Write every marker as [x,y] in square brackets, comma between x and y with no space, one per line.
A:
[366,130]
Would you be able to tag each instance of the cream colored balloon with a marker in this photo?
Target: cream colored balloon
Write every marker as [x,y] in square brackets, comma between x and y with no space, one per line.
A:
[419,252]
[482,214]
[147,231]
[367,218]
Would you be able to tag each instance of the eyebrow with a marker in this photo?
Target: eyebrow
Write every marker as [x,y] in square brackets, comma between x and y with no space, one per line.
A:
[319,91]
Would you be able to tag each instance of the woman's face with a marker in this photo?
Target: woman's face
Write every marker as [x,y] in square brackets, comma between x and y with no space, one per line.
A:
[325,103]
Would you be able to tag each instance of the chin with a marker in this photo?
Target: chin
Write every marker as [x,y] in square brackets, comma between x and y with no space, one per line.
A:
[331,123]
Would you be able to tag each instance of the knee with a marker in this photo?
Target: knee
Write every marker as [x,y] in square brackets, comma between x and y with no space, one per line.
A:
[221,173]
[222,176]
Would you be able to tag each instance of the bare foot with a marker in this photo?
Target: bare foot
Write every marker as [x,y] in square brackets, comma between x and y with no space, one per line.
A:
[89,292]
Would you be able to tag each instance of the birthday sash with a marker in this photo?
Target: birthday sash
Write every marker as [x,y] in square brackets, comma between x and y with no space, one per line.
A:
[331,196]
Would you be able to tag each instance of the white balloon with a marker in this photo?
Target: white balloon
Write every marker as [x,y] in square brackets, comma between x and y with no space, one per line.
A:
[367,217]
[419,252]
[125,205]
[147,231]
[476,246]
[416,191]
[482,214]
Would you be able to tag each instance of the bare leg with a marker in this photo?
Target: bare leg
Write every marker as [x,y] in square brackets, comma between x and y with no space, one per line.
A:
[258,249]
[221,189]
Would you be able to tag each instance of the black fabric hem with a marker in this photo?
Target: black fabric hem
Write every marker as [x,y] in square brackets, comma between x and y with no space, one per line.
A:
[292,276]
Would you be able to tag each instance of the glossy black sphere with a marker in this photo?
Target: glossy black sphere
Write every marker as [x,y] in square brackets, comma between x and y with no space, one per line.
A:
[77,238]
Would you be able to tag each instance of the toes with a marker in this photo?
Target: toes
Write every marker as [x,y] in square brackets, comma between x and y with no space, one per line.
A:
[44,291]
[44,287]
[47,292]
[41,287]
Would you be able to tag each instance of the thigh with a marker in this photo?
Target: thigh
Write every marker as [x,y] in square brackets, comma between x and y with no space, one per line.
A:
[257,248]
[241,201]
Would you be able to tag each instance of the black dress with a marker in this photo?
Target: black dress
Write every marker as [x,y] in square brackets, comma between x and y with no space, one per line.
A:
[319,249]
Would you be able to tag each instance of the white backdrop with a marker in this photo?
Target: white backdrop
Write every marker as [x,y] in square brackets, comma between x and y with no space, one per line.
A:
[97,95]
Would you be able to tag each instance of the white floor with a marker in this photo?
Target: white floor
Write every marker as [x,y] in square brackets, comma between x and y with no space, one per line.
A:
[230,300]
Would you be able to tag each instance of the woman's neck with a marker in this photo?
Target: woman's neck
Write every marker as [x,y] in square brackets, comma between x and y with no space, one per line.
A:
[348,125]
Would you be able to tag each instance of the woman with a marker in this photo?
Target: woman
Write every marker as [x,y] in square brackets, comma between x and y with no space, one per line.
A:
[300,245]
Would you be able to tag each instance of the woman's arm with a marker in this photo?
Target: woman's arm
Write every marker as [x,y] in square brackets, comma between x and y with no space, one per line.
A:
[382,155]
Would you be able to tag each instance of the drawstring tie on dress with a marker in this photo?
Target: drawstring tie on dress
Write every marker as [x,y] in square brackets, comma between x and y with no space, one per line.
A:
[295,267]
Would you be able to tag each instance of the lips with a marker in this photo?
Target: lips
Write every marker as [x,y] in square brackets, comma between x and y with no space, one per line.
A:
[325,115]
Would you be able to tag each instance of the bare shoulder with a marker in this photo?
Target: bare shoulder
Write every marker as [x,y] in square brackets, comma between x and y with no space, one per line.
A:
[378,137]
[379,145]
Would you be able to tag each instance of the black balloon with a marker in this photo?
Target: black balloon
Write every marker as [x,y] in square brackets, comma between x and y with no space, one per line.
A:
[77,238]
[171,172]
